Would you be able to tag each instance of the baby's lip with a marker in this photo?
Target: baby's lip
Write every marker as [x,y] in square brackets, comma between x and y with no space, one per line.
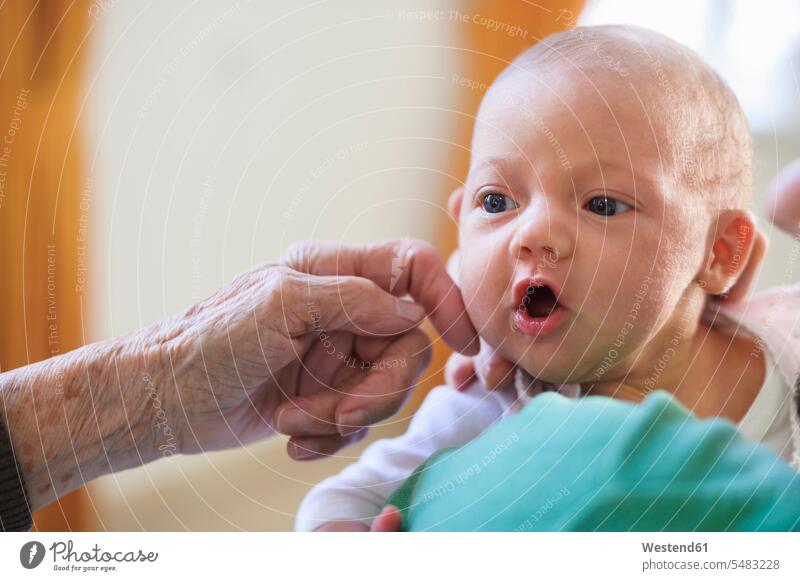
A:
[522,285]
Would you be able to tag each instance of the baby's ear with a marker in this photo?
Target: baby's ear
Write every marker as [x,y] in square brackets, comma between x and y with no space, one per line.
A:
[454,202]
[730,254]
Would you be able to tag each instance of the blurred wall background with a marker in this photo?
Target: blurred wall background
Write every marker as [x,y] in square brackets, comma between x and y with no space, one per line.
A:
[222,133]
[219,133]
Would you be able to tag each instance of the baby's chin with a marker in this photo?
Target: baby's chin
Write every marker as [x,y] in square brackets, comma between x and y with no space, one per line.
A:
[552,369]
[562,366]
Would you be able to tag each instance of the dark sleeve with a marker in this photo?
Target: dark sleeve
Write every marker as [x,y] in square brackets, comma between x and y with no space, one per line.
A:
[15,513]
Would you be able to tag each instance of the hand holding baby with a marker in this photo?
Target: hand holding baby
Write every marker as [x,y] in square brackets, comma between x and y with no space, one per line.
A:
[317,347]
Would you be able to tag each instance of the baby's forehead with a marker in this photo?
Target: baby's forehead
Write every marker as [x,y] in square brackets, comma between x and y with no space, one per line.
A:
[577,114]
[639,88]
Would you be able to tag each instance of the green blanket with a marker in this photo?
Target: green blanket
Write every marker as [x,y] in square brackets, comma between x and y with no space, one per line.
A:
[603,464]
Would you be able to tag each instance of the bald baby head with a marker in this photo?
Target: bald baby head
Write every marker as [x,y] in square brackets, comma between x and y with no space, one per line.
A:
[701,133]
[610,163]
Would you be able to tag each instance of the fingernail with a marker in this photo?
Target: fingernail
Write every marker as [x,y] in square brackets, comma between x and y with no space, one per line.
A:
[289,419]
[279,420]
[306,451]
[356,436]
[408,310]
[351,422]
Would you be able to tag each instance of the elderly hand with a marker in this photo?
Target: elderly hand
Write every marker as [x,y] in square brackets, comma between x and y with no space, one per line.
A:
[317,346]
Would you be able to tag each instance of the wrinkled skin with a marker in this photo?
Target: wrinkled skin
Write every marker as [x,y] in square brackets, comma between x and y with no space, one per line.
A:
[316,347]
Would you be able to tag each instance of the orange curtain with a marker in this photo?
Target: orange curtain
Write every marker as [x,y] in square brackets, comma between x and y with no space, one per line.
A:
[44,195]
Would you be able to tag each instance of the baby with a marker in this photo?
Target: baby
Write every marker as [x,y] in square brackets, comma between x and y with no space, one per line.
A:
[603,210]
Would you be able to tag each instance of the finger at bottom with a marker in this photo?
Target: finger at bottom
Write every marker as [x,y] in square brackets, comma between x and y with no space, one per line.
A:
[390,520]
[496,372]
[308,415]
[384,388]
[346,526]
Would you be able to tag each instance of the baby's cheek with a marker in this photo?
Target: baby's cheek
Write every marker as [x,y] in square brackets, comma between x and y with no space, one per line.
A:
[483,292]
[618,301]
[641,306]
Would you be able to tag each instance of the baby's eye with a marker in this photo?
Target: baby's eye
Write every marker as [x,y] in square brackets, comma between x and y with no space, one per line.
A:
[607,206]
[496,203]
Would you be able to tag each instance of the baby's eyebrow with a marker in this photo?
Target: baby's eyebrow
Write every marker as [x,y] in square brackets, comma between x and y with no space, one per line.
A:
[504,166]
[629,170]
[499,165]
[483,164]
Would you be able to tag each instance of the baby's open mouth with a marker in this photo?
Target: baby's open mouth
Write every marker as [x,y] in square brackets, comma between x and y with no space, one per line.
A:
[538,310]
[539,301]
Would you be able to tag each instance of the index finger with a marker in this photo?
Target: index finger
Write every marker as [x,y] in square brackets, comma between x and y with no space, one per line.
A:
[399,267]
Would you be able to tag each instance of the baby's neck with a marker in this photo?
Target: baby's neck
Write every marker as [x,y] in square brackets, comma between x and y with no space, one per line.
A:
[710,372]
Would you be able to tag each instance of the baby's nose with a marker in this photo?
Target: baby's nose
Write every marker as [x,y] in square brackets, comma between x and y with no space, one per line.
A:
[542,230]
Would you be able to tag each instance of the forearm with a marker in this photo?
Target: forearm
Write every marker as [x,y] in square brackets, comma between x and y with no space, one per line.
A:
[78,416]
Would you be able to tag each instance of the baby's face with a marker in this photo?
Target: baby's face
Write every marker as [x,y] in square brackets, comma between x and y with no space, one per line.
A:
[571,188]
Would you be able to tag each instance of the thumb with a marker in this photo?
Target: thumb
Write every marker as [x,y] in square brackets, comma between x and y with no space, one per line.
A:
[358,305]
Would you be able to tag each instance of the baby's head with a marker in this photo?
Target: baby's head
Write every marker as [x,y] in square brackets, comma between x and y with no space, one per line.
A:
[610,167]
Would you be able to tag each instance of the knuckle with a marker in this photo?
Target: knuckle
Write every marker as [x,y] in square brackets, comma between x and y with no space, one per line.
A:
[310,256]
[297,255]
[357,295]
[424,251]
[358,289]
[282,301]
[277,283]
